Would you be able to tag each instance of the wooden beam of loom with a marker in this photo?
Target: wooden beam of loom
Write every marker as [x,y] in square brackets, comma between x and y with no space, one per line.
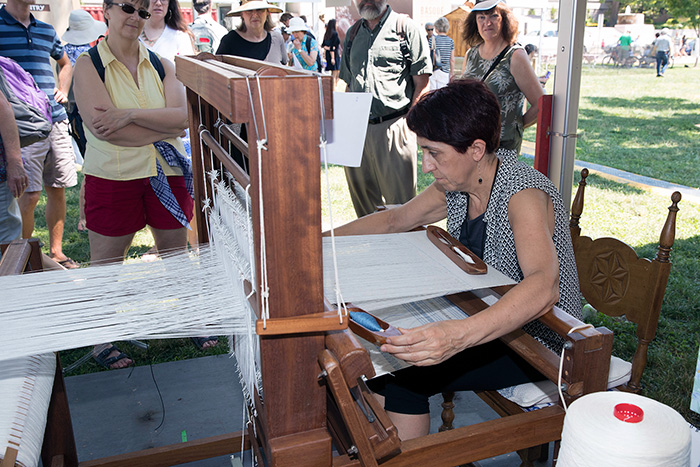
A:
[282,107]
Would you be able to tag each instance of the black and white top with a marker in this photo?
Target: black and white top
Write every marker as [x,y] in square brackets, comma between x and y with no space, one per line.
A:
[512,177]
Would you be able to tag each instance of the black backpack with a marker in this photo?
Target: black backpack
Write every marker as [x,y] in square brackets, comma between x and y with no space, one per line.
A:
[308,50]
[97,62]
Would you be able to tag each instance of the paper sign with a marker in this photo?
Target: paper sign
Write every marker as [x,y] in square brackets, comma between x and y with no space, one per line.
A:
[345,134]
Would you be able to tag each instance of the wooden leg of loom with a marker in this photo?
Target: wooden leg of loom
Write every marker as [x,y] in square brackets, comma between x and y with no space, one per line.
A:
[59,443]
[10,458]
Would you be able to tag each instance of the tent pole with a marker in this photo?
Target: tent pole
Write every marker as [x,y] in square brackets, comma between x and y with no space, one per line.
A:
[567,83]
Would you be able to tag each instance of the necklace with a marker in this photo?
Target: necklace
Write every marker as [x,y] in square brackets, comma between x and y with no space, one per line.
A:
[149,41]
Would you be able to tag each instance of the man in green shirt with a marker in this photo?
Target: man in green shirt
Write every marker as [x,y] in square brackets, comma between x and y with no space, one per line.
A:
[625,42]
[387,55]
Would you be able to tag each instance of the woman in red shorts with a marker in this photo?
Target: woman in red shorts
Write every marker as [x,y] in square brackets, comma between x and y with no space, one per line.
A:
[135,167]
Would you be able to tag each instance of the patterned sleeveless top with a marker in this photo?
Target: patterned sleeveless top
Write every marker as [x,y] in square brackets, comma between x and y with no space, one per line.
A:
[499,247]
[503,85]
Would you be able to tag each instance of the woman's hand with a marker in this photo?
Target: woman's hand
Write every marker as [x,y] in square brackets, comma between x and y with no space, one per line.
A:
[110,119]
[297,44]
[16,178]
[429,344]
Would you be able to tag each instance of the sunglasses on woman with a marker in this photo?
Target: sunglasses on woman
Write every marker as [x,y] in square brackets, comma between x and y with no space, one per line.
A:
[130,9]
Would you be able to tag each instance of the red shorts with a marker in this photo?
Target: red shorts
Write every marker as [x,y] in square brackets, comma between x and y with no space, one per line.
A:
[114,207]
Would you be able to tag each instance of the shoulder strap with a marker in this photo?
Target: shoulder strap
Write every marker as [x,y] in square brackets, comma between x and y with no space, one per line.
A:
[157,64]
[496,62]
[352,32]
[97,62]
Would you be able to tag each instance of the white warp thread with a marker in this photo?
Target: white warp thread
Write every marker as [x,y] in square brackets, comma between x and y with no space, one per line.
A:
[378,271]
[179,296]
[594,437]
[25,387]
[187,295]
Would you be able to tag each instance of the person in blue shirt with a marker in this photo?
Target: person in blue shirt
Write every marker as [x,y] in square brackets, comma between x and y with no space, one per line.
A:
[305,48]
[50,162]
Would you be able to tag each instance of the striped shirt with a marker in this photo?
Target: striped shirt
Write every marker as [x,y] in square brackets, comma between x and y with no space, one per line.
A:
[32,47]
[444,46]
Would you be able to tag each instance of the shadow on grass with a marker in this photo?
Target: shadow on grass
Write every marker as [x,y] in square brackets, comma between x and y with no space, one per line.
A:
[642,140]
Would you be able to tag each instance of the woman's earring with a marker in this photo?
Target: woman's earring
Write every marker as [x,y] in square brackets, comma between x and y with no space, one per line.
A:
[478,166]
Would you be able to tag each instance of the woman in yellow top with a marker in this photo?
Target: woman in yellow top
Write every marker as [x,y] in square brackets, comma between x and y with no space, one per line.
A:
[135,170]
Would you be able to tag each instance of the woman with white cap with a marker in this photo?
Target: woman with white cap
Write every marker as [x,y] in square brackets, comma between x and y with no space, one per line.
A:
[255,37]
[304,48]
[82,30]
[495,58]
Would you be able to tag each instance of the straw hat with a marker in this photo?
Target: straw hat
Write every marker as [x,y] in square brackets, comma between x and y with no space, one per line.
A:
[253,5]
[83,28]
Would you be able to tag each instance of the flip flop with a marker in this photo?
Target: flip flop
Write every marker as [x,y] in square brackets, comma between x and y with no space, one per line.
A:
[104,360]
[200,341]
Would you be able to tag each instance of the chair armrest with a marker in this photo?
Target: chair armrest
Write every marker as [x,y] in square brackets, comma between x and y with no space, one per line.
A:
[586,354]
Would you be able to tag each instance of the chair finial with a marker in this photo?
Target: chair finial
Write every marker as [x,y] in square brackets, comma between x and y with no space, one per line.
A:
[668,233]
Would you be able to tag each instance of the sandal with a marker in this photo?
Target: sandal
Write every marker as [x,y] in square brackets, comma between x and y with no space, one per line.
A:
[68,263]
[200,341]
[104,360]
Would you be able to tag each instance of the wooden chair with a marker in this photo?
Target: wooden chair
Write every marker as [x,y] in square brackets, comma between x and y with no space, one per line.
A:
[615,281]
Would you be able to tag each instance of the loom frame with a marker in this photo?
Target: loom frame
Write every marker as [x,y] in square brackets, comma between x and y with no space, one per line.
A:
[292,426]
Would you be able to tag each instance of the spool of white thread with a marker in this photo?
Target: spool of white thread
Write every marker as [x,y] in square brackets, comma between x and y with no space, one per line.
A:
[623,429]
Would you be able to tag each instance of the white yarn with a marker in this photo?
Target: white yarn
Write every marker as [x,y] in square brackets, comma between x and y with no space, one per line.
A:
[25,385]
[340,303]
[379,271]
[594,437]
[179,296]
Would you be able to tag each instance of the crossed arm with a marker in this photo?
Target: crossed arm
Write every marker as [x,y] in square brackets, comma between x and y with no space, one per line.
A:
[129,127]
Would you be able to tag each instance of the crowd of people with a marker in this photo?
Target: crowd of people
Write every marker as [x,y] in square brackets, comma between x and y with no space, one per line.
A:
[129,113]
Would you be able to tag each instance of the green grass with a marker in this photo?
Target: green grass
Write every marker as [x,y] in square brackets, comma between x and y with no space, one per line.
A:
[629,120]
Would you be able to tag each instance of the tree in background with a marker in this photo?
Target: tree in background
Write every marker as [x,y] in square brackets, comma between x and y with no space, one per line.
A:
[654,11]
[687,12]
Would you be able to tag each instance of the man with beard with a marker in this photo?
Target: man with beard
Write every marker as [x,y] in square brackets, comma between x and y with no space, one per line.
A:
[385,54]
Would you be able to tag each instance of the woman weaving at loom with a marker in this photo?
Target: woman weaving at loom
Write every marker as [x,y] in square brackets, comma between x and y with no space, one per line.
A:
[504,211]
[134,110]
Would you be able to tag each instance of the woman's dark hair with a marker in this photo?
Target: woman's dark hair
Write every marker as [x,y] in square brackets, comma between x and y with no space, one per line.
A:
[330,29]
[509,25]
[529,48]
[173,17]
[458,114]
[269,25]
[108,4]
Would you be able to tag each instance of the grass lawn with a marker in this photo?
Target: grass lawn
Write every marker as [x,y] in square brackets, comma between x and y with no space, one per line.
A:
[630,120]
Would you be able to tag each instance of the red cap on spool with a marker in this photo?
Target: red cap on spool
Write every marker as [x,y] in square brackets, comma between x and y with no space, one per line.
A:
[629,413]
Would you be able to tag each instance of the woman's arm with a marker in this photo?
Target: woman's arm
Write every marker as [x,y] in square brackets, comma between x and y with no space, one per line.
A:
[16,176]
[531,216]
[426,208]
[529,84]
[309,58]
[452,64]
[171,119]
[91,97]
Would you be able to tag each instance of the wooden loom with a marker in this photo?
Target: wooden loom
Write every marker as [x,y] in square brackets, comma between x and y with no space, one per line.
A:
[313,369]
[296,425]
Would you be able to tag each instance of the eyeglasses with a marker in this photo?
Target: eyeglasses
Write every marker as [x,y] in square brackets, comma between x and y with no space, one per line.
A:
[130,9]
[430,29]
